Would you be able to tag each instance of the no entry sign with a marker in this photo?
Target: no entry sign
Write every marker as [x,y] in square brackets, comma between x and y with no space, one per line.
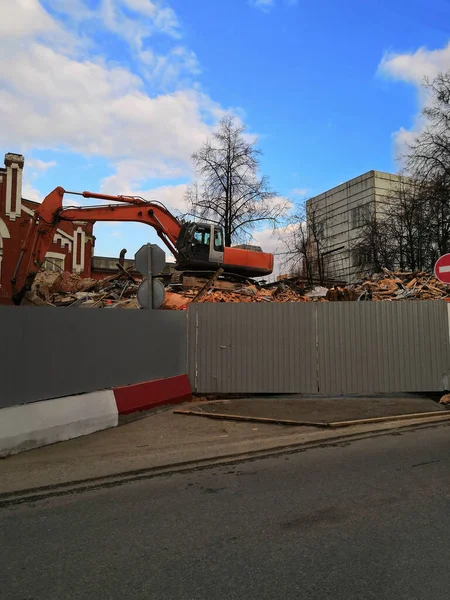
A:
[442,268]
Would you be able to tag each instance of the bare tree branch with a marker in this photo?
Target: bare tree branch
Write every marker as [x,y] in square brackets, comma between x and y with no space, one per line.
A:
[229,190]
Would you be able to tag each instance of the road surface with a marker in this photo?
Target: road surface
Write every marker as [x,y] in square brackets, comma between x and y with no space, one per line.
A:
[361,520]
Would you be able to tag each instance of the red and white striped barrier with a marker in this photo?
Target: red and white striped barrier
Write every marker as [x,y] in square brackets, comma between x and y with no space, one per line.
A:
[143,396]
[45,422]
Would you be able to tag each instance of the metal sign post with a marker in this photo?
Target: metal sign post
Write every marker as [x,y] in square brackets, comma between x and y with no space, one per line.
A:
[150,261]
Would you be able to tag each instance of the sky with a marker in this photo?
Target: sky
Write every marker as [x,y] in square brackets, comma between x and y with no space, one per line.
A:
[115,95]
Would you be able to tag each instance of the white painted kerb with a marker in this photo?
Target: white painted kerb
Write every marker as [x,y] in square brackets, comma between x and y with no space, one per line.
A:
[49,421]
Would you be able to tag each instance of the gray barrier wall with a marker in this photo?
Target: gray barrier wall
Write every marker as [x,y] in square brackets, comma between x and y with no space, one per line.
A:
[48,352]
[252,348]
[332,348]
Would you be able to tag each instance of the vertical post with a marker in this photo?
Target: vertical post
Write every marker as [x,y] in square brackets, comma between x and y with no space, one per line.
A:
[149,276]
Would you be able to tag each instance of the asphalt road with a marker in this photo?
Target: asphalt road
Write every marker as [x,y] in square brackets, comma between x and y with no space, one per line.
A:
[362,520]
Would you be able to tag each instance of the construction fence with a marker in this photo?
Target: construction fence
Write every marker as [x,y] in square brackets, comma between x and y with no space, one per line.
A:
[310,347]
[329,348]
[49,353]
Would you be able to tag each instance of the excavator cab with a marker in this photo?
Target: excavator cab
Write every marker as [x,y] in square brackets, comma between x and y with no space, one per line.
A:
[200,246]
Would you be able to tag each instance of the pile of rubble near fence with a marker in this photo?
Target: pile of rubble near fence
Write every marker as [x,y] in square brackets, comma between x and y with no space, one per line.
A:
[400,286]
[70,290]
[119,291]
[387,286]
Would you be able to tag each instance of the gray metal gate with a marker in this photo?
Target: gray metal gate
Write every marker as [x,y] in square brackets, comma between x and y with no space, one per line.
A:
[333,348]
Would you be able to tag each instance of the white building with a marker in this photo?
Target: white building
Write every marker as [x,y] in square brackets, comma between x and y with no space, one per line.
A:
[337,216]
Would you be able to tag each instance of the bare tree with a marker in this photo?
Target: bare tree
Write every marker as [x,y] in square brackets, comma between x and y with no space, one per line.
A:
[413,227]
[318,242]
[373,248]
[297,260]
[428,161]
[408,233]
[428,158]
[230,190]
[303,237]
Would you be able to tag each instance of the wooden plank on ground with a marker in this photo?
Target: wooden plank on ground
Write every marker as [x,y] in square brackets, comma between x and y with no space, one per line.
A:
[436,413]
[231,417]
[208,285]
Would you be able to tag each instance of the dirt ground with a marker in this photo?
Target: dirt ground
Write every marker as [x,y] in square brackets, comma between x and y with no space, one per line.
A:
[320,410]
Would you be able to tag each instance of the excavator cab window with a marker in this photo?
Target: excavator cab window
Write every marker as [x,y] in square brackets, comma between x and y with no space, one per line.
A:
[200,242]
[202,236]
[198,236]
[218,240]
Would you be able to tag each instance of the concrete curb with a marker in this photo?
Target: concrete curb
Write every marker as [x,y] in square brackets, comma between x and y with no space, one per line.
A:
[41,423]
[116,479]
[45,422]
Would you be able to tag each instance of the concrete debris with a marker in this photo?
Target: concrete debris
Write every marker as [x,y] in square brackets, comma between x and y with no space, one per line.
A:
[248,294]
[70,290]
[119,291]
[398,285]
[386,286]
[317,292]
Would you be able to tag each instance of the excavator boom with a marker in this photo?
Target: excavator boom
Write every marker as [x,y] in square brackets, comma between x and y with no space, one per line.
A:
[196,246]
[51,212]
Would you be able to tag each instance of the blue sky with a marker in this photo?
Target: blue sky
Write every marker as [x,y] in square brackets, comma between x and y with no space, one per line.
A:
[115,95]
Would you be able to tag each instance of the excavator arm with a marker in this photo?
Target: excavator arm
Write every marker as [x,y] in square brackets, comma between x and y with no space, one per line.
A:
[51,212]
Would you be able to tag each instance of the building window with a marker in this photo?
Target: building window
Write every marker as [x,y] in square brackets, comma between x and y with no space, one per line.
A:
[360,215]
[53,263]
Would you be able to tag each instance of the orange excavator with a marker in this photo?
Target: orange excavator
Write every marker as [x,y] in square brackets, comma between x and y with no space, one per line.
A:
[195,246]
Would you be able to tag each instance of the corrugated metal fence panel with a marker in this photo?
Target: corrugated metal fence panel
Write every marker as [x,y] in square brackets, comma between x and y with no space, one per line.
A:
[47,353]
[252,348]
[370,347]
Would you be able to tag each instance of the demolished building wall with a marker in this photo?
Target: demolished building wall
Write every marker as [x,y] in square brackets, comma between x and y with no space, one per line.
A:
[73,243]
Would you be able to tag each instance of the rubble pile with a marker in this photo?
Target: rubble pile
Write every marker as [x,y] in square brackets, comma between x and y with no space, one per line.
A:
[119,291]
[386,286]
[402,286]
[68,289]
[250,293]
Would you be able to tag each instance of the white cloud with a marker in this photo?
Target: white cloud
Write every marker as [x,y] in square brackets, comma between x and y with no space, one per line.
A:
[57,93]
[264,5]
[147,18]
[172,196]
[299,192]
[134,22]
[412,68]
[163,17]
[177,66]
[40,165]
[31,193]
[53,97]
[68,202]
[266,238]
[26,18]
[267,5]
[271,241]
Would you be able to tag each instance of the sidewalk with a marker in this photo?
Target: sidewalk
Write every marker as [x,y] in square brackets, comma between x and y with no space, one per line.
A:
[163,439]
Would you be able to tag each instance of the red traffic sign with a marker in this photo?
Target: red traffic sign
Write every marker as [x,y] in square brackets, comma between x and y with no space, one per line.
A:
[442,268]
